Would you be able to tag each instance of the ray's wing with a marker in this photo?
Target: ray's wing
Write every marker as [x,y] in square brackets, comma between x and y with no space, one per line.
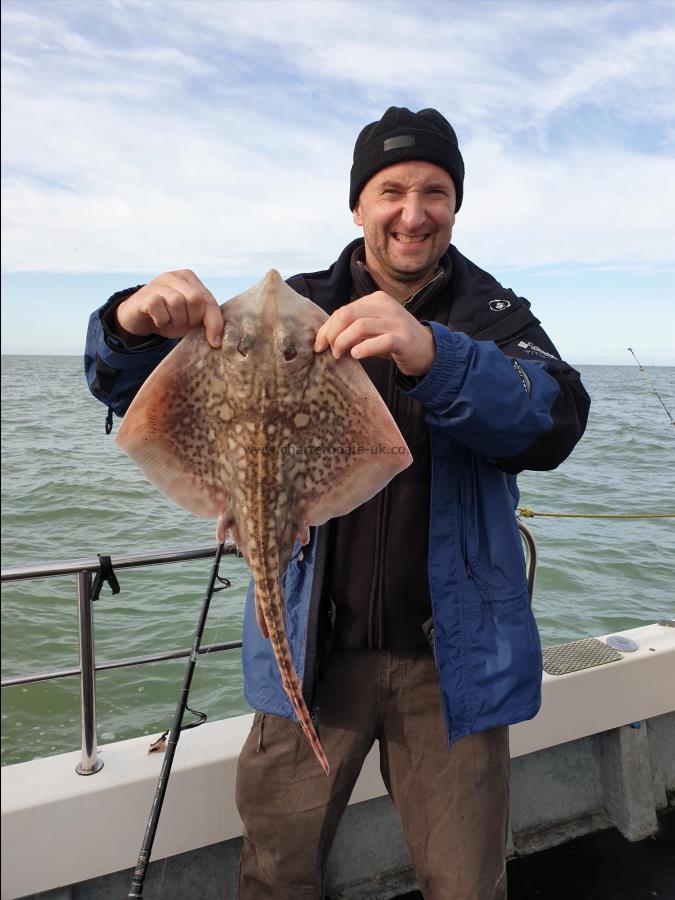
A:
[171,428]
[184,429]
[348,445]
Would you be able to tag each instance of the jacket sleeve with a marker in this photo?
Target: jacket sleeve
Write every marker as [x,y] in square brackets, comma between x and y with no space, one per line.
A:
[115,371]
[518,404]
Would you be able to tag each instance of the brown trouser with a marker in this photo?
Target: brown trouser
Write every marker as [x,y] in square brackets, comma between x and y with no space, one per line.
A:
[453,803]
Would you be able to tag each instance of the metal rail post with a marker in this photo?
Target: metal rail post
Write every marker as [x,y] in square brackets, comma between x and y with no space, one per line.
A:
[90,763]
[530,556]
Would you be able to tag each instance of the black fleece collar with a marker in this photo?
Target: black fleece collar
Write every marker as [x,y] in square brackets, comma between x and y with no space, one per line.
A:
[480,306]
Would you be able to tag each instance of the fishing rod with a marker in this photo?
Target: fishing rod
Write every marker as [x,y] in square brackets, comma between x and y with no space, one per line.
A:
[138,879]
[651,384]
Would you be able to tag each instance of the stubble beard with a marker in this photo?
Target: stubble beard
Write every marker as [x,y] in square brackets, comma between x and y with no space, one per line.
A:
[377,248]
[408,275]
[405,276]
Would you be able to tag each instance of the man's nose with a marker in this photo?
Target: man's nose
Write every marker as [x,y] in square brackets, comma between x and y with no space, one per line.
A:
[412,213]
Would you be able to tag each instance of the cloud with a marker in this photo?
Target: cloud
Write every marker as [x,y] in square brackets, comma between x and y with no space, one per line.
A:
[615,208]
[146,136]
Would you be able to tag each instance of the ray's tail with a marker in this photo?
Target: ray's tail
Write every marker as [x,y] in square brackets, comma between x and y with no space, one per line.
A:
[293,689]
[270,604]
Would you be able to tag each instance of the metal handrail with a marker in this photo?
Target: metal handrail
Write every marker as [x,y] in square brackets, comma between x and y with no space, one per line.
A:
[129,561]
[530,556]
[118,664]
[83,569]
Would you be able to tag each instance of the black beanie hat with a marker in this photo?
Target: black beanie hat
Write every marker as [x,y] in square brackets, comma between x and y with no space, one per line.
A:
[401,135]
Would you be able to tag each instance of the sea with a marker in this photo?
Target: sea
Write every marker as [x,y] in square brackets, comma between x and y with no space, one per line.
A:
[69,493]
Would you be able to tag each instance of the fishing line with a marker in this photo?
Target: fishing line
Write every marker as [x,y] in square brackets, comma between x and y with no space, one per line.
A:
[651,384]
[138,878]
[161,881]
[201,716]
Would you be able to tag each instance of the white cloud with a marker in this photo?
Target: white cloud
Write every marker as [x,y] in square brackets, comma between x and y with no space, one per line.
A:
[617,207]
[218,135]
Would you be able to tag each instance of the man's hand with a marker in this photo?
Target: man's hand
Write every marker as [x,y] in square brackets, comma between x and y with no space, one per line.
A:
[377,325]
[171,305]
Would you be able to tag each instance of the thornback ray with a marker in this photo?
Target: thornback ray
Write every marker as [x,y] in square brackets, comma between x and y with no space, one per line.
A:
[266,436]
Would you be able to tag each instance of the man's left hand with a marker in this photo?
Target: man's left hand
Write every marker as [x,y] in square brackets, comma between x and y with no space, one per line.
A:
[377,325]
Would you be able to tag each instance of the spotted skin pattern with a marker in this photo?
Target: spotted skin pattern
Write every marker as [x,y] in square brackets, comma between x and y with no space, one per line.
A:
[269,438]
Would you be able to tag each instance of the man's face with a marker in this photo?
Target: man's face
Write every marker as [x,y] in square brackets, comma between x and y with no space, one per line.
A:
[407,212]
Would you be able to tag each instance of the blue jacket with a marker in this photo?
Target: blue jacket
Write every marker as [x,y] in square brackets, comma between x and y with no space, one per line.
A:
[498,399]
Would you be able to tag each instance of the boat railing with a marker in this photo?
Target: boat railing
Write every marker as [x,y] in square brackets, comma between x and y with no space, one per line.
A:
[85,571]
[530,546]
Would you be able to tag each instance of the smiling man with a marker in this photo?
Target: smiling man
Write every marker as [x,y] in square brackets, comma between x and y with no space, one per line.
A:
[407,212]
[412,617]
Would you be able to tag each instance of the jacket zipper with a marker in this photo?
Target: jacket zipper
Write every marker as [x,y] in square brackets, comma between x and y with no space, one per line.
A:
[378,612]
[467,564]
[413,297]
[462,518]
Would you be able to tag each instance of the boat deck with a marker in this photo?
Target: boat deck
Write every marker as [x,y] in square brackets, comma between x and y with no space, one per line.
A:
[598,756]
[600,866]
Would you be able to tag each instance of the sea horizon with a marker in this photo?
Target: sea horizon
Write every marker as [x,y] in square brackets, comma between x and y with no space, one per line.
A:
[610,365]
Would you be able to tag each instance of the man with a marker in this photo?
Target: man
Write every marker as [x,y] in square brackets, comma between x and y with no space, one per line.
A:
[412,623]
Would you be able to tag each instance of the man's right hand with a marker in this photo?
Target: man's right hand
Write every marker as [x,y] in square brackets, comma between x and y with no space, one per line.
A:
[171,305]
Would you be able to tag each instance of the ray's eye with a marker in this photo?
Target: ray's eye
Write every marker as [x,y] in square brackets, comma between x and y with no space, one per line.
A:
[245,344]
[290,353]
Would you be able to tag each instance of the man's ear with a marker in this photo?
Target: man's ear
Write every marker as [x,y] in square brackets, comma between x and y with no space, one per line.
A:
[356,215]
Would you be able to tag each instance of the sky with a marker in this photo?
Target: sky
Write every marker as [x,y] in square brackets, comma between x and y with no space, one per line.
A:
[140,137]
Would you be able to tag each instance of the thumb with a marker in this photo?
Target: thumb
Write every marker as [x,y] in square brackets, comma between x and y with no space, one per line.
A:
[213,323]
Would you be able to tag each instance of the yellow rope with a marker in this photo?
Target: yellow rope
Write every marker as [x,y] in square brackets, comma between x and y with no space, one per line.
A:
[529,514]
